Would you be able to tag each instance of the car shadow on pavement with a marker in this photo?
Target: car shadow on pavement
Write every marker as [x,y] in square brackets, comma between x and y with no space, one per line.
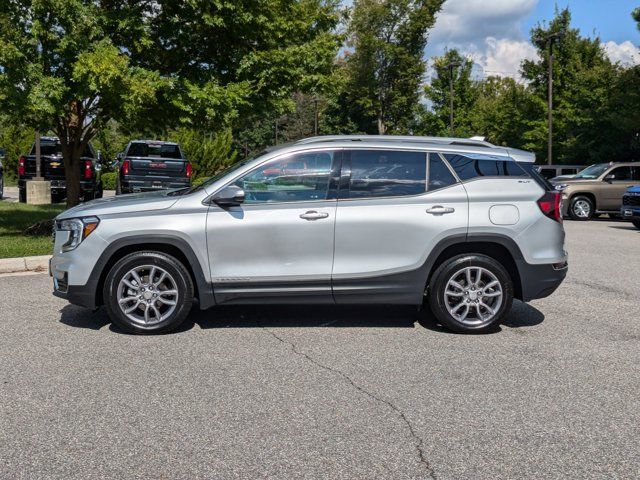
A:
[626,227]
[302,316]
[521,315]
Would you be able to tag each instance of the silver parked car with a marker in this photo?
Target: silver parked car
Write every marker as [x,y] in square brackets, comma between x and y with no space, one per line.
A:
[460,223]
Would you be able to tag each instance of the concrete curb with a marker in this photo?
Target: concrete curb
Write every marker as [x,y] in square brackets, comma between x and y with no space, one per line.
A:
[25,264]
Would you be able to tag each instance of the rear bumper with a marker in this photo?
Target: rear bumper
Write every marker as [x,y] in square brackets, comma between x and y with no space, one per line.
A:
[133,185]
[540,281]
[58,185]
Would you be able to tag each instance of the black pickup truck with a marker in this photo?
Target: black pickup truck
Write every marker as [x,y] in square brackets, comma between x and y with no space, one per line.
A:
[152,165]
[52,169]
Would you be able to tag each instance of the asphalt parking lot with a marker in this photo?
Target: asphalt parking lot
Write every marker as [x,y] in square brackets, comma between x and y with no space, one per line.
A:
[344,393]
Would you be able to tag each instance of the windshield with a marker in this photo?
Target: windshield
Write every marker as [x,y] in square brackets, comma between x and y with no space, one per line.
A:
[594,171]
[219,175]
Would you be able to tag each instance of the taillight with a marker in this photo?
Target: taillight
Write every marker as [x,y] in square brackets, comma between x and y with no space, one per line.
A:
[189,170]
[549,204]
[88,173]
[124,169]
[21,166]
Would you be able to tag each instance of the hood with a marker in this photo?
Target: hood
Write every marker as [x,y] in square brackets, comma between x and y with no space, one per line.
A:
[121,204]
[574,181]
[561,178]
[635,189]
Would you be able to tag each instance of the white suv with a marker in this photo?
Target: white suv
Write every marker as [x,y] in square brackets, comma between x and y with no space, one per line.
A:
[461,223]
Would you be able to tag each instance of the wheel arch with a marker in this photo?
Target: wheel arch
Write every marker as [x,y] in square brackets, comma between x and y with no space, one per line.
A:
[499,247]
[170,245]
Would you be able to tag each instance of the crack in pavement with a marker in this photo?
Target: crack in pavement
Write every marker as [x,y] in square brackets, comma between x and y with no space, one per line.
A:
[417,440]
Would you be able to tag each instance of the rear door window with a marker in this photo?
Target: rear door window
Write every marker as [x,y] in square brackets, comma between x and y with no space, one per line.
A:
[439,174]
[387,173]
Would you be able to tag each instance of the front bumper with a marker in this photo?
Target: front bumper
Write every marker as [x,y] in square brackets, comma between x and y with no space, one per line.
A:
[540,281]
[630,212]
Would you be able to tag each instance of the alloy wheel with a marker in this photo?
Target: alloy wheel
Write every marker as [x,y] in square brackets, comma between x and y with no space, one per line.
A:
[147,295]
[473,295]
[581,208]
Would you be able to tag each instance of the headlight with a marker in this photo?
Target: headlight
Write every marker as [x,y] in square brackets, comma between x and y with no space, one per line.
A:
[78,228]
[561,186]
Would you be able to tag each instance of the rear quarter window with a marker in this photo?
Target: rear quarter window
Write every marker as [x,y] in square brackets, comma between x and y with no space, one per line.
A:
[470,166]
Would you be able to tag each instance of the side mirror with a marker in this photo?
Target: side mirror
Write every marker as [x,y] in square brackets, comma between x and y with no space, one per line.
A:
[609,178]
[229,196]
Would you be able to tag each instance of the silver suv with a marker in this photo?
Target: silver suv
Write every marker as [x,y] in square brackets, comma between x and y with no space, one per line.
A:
[459,223]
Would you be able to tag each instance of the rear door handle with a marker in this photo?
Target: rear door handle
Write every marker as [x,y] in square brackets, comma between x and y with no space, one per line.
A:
[440,210]
[313,215]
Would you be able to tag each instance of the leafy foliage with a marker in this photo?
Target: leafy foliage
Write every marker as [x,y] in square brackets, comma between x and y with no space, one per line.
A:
[208,153]
[385,67]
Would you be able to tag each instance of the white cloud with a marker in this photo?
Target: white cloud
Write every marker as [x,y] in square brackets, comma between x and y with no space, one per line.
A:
[503,57]
[488,31]
[626,52]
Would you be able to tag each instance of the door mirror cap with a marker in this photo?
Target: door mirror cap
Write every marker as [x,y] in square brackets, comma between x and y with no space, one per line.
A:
[609,178]
[229,196]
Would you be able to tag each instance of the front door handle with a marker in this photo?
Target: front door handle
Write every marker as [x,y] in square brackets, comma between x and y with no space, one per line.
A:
[440,210]
[313,215]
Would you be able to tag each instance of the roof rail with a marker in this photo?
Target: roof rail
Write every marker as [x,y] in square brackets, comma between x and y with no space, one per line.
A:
[474,141]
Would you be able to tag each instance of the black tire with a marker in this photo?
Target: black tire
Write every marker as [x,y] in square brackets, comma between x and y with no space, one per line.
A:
[1,187]
[99,191]
[22,195]
[636,223]
[581,208]
[178,274]
[89,195]
[57,197]
[449,270]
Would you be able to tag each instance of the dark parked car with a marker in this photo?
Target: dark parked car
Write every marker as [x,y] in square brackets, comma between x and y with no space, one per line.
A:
[152,165]
[52,169]
[631,205]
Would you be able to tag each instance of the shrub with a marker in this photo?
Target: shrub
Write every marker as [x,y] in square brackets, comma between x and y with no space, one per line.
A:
[208,153]
[109,180]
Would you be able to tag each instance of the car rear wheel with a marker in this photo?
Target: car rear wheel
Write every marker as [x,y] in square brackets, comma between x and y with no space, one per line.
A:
[1,187]
[636,223]
[148,293]
[581,208]
[22,195]
[470,293]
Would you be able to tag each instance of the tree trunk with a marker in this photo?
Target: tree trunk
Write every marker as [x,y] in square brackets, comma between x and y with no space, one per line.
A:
[70,132]
[71,159]
[382,127]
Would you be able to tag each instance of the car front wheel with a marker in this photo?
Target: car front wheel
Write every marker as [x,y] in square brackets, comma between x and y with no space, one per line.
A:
[581,208]
[148,293]
[470,293]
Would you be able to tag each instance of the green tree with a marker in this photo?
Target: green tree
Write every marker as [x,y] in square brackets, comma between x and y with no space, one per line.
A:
[636,16]
[583,80]
[61,70]
[235,61]
[436,119]
[385,65]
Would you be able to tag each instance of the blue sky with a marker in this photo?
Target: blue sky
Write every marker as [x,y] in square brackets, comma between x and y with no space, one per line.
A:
[610,19]
[495,33]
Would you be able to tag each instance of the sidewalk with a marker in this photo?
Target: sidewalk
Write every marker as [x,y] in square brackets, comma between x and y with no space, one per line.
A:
[25,264]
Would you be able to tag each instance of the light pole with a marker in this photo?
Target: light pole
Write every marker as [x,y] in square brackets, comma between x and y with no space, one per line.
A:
[451,66]
[315,116]
[549,39]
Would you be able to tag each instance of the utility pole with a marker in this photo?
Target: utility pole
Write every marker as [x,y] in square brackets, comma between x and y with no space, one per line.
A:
[315,116]
[549,39]
[38,162]
[451,66]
